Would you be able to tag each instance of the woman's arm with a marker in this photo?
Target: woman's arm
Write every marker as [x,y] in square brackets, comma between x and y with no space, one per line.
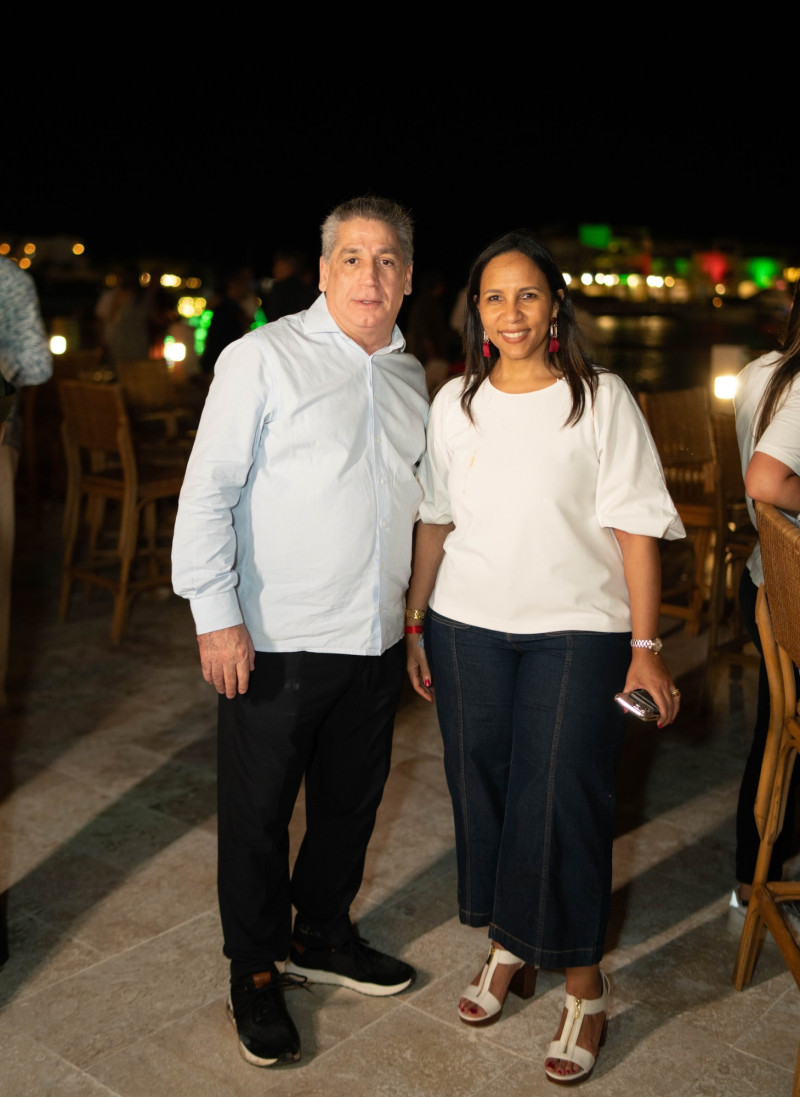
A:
[428,552]
[642,565]
[768,480]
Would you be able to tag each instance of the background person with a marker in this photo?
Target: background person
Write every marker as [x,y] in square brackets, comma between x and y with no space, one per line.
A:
[25,359]
[293,542]
[767,405]
[544,496]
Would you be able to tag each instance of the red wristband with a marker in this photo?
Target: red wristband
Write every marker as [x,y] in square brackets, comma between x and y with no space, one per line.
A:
[414,628]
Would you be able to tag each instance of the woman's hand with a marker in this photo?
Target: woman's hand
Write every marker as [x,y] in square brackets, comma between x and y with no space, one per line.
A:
[648,671]
[417,664]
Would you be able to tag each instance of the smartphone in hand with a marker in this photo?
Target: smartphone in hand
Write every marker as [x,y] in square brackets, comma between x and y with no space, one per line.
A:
[639,702]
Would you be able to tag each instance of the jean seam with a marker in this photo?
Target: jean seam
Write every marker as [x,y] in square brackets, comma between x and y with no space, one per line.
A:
[462,768]
[551,780]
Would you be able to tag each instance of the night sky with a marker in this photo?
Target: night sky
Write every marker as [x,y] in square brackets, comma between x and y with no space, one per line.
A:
[224,178]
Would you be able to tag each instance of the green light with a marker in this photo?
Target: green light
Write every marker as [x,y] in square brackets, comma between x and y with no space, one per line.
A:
[764,271]
[201,324]
[682,267]
[259,320]
[595,236]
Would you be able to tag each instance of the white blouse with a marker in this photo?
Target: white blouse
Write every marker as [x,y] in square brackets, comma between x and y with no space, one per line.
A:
[780,440]
[534,504]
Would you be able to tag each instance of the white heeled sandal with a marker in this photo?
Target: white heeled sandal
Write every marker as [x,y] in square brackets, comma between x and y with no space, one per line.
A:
[523,983]
[566,1046]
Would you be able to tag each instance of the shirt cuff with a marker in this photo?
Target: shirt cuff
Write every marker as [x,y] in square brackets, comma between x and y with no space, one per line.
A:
[216,611]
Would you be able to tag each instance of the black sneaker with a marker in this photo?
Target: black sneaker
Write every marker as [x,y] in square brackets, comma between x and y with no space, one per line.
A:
[352,964]
[258,1013]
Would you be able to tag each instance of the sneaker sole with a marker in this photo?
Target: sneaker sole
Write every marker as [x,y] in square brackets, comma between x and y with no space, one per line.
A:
[248,1056]
[331,978]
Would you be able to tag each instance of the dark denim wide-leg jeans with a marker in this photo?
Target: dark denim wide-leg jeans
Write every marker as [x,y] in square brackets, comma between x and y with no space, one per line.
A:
[532,734]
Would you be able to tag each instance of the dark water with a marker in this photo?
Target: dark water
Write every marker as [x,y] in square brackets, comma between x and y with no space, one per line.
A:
[658,353]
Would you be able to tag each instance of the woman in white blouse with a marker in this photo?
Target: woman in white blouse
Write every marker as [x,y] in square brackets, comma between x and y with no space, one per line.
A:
[537,550]
[767,404]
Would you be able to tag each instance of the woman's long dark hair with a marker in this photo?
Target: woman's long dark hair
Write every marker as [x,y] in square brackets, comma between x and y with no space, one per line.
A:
[571,359]
[785,371]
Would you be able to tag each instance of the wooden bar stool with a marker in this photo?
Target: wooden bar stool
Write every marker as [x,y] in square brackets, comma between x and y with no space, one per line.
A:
[778,617]
[102,468]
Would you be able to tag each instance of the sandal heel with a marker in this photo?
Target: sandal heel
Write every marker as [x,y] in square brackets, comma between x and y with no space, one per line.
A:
[523,982]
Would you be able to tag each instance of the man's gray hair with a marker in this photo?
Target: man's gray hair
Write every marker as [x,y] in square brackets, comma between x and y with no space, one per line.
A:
[370,208]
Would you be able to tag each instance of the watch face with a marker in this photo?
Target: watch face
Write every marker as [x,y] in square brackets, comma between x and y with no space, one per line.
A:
[656,645]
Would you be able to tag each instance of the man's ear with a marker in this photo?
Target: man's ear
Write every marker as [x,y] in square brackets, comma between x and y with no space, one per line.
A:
[323,274]
[407,283]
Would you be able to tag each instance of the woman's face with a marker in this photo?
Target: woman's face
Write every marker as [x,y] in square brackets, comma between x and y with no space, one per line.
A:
[516,306]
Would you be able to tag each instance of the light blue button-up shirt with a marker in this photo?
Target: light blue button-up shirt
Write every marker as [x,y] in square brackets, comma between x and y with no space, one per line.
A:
[300,495]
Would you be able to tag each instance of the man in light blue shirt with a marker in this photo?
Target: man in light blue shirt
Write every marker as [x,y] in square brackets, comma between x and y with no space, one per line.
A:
[293,544]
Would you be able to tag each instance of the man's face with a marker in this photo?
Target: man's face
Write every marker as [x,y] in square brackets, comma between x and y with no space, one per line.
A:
[364,282]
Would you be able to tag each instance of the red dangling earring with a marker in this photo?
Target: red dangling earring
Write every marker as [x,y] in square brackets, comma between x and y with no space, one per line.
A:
[486,352]
[555,346]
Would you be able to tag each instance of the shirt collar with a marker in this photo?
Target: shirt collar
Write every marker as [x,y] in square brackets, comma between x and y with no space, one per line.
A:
[318,320]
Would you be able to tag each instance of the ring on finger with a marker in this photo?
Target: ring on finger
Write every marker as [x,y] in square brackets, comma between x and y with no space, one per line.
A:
[675,692]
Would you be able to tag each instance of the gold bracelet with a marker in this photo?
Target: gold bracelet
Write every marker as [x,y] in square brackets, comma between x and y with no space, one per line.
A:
[415,614]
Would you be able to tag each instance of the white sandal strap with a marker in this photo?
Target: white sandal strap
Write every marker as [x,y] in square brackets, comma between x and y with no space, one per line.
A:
[480,995]
[484,999]
[578,1055]
[566,1046]
[504,957]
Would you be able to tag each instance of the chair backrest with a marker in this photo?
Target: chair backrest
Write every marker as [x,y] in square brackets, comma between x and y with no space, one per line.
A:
[77,364]
[95,418]
[680,423]
[780,555]
[148,385]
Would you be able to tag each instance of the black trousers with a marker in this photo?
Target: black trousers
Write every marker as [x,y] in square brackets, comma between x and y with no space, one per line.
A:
[326,717]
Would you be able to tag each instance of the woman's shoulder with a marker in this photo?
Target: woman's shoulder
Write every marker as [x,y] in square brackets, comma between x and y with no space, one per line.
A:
[450,390]
[447,396]
[611,389]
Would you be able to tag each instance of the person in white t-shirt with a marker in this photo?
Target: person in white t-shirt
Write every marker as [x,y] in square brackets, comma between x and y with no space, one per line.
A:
[767,405]
[537,548]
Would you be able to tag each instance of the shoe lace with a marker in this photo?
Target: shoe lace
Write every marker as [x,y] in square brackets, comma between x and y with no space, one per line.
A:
[264,1002]
[357,945]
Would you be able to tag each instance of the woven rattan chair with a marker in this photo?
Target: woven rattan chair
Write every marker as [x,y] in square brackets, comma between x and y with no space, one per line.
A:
[154,397]
[680,423]
[778,616]
[42,468]
[102,468]
[739,539]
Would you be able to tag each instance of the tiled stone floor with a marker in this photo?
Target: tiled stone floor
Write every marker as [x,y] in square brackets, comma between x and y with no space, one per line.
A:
[116,982]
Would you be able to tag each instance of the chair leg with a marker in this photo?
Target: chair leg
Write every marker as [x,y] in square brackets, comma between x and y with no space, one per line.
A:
[121,604]
[796,1086]
[752,938]
[150,516]
[128,534]
[716,607]
[702,541]
[72,511]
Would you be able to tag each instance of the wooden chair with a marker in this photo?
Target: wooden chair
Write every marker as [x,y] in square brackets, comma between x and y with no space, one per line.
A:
[739,540]
[778,617]
[154,396]
[102,468]
[680,423]
[41,421]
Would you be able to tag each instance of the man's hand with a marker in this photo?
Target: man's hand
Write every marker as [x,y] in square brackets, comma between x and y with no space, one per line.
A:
[227,657]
